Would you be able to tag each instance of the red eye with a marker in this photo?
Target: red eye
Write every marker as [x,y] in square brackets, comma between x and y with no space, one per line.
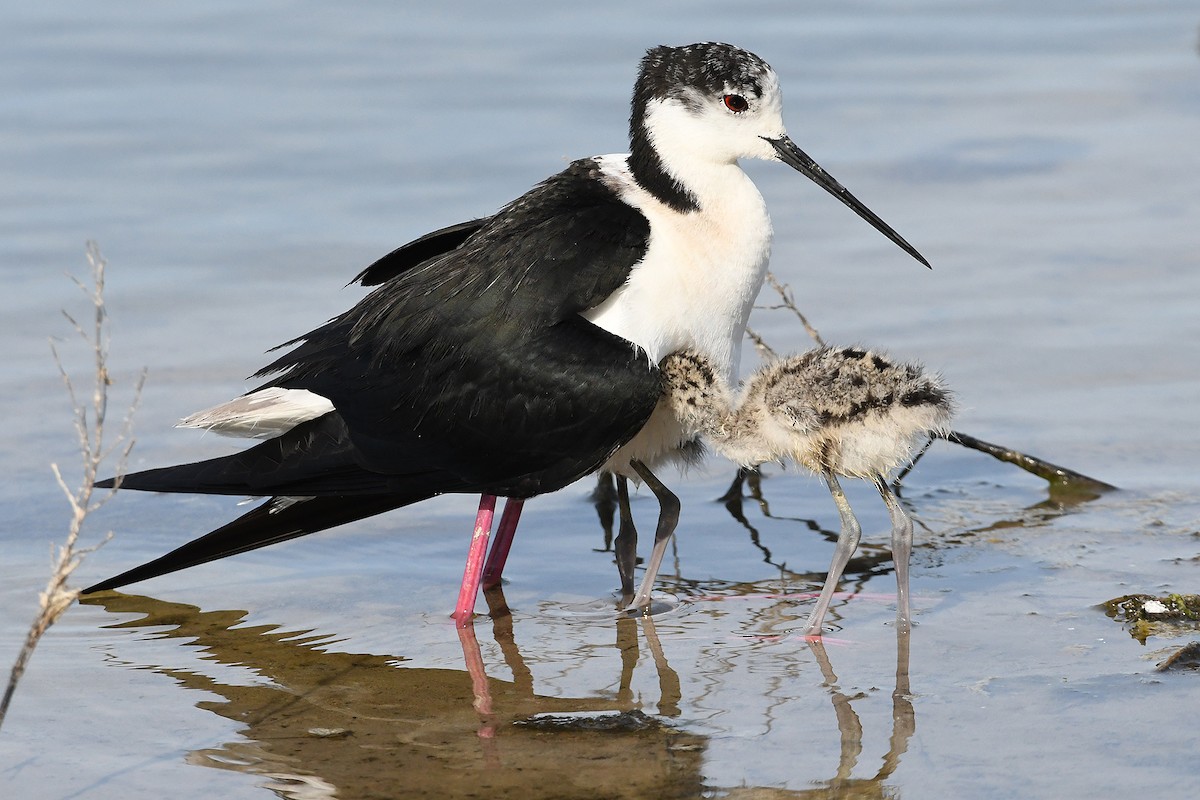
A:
[735,103]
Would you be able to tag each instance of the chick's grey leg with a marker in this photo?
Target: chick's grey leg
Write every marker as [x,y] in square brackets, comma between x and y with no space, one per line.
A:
[847,543]
[668,519]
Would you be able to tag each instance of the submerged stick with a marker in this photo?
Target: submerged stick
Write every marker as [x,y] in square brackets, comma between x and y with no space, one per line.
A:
[1043,469]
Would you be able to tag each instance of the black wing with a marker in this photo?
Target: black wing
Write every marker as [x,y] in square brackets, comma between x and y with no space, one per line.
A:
[477,362]
[470,369]
[576,410]
[516,427]
[417,252]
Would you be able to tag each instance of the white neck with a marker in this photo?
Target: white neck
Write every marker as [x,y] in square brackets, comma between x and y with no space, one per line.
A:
[702,270]
[694,288]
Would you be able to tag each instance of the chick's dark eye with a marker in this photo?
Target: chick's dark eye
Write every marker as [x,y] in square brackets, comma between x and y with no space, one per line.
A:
[735,103]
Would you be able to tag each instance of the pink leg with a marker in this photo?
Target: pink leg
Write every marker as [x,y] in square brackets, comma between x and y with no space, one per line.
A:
[479,542]
[503,542]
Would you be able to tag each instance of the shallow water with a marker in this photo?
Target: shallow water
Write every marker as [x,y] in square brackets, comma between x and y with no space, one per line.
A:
[238,165]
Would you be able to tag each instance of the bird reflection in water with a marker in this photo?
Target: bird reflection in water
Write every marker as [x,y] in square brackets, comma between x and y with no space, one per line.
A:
[320,723]
[843,785]
[904,722]
[325,723]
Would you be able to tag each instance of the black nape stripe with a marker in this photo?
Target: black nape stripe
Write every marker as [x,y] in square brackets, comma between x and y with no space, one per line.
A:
[650,173]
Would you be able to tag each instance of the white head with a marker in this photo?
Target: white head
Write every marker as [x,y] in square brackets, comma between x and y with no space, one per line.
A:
[706,103]
[711,104]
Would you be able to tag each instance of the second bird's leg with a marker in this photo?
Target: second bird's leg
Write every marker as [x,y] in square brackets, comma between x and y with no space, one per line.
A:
[625,545]
[668,519]
[847,543]
[502,542]
[902,536]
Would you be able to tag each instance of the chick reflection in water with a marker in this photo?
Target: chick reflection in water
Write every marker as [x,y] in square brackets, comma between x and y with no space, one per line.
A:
[330,724]
[837,411]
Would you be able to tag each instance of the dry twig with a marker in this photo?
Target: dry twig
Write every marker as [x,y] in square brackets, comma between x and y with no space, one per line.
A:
[788,302]
[89,421]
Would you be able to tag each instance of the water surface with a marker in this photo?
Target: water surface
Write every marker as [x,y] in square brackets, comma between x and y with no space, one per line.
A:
[238,165]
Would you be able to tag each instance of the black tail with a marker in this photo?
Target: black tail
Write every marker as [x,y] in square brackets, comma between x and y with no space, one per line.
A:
[316,457]
[265,525]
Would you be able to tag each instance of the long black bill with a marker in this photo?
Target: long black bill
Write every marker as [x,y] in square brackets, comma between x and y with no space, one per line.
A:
[797,159]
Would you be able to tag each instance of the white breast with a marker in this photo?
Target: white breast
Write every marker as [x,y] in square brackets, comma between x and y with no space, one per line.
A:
[694,288]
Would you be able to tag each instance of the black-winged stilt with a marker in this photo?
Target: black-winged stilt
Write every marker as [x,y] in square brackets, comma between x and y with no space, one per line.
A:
[511,355]
[837,411]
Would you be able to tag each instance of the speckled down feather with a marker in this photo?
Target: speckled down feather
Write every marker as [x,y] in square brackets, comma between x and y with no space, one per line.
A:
[842,410]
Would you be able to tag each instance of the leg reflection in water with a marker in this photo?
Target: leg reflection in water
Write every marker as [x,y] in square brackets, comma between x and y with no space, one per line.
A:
[315,722]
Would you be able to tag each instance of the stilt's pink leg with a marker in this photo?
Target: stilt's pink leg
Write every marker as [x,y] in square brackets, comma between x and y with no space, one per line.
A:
[503,542]
[471,574]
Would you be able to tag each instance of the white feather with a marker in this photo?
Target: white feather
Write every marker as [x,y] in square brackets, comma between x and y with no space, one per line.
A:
[264,414]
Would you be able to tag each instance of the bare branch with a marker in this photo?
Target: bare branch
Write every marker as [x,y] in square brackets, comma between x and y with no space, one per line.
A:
[765,351]
[785,293]
[89,422]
